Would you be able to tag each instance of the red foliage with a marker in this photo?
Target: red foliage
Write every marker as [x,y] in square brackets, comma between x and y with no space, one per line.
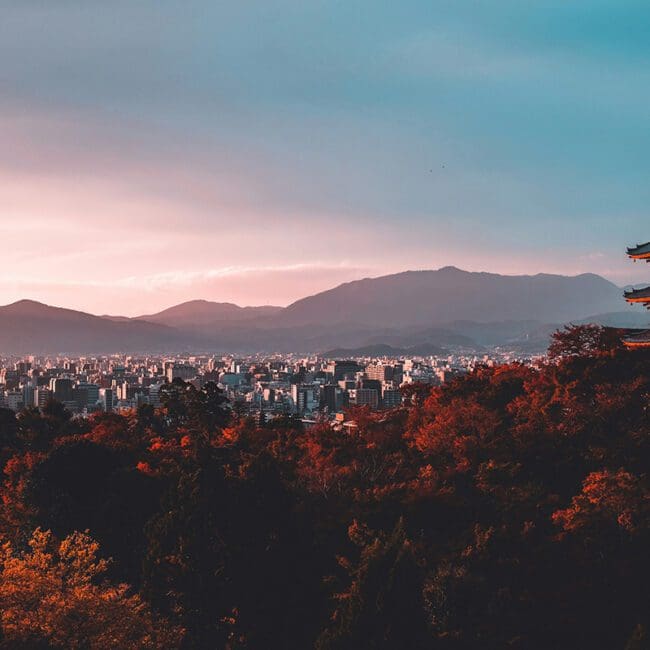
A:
[585,340]
[607,498]
[18,513]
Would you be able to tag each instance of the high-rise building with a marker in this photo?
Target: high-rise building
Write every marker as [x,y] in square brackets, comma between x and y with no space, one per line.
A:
[181,371]
[106,399]
[9,378]
[364,397]
[61,388]
[303,398]
[391,398]
[86,395]
[380,372]
[342,369]
[374,384]
[328,398]
[154,395]
[42,396]
[14,399]
[28,394]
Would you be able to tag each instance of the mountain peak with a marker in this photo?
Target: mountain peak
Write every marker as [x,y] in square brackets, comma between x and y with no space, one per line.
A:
[451,269]
[25,302]
[25,306]
[201,302]
[206,313]
[448,294]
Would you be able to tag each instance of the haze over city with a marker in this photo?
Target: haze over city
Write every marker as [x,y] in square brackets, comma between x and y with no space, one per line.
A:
[261,152]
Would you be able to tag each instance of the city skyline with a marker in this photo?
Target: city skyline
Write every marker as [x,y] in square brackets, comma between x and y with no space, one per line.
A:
[155,153]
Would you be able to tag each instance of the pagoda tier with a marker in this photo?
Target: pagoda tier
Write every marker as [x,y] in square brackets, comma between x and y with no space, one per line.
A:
[639,295]
[640,252]
[640,340]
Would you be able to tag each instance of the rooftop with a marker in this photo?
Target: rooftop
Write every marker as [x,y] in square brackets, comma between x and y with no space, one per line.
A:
[638,295]
[640,340]
[640,252]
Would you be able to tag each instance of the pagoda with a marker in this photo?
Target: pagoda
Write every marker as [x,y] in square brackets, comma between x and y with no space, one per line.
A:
[640,252]
[642,296]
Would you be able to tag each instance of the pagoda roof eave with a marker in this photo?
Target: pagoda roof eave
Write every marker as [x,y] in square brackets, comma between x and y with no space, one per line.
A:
[637,294]
[640,251]
[640,340]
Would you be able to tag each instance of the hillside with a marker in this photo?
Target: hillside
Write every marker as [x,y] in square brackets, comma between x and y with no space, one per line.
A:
[29,327]
[384,350]
[204,313]
[450,294]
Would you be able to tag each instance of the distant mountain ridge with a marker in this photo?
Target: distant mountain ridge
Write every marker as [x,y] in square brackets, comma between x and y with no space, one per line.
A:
[384,350]
[205,312]
[444,308]
[30,327]
[450,294]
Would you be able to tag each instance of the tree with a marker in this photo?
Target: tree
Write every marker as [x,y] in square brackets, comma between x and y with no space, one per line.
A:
[382,606]
[54,594]
[184,405]
[84,485]
[584,340]
[8,428]
[608,499]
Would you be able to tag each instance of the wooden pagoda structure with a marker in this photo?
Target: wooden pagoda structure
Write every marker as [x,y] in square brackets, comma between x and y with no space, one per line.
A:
[639,296]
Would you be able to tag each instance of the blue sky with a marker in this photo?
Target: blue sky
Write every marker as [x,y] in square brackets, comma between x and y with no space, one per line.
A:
[260,151]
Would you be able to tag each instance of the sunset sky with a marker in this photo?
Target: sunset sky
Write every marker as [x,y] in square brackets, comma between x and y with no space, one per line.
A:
[259,151]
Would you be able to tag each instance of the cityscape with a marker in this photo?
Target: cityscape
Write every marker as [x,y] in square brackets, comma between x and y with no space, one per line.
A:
[324,325]
[264,387]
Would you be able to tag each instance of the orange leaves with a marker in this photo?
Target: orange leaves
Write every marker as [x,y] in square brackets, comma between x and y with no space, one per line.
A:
[368,465]
[482,537]
[145,468]
[607,498]
[322,465]
[231,435]
[53,593]
[111,429]
[17,512]
[158,444]
[359,533]
[456,430]
[426,484]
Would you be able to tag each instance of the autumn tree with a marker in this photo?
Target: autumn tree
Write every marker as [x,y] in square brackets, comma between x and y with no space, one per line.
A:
[54,595]
[584,340]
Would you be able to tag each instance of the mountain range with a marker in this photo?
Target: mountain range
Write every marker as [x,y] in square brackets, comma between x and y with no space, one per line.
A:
[384,350]
[445,308]
[203,313]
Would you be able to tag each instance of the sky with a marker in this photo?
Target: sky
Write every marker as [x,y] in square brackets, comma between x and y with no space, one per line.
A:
[257,151]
